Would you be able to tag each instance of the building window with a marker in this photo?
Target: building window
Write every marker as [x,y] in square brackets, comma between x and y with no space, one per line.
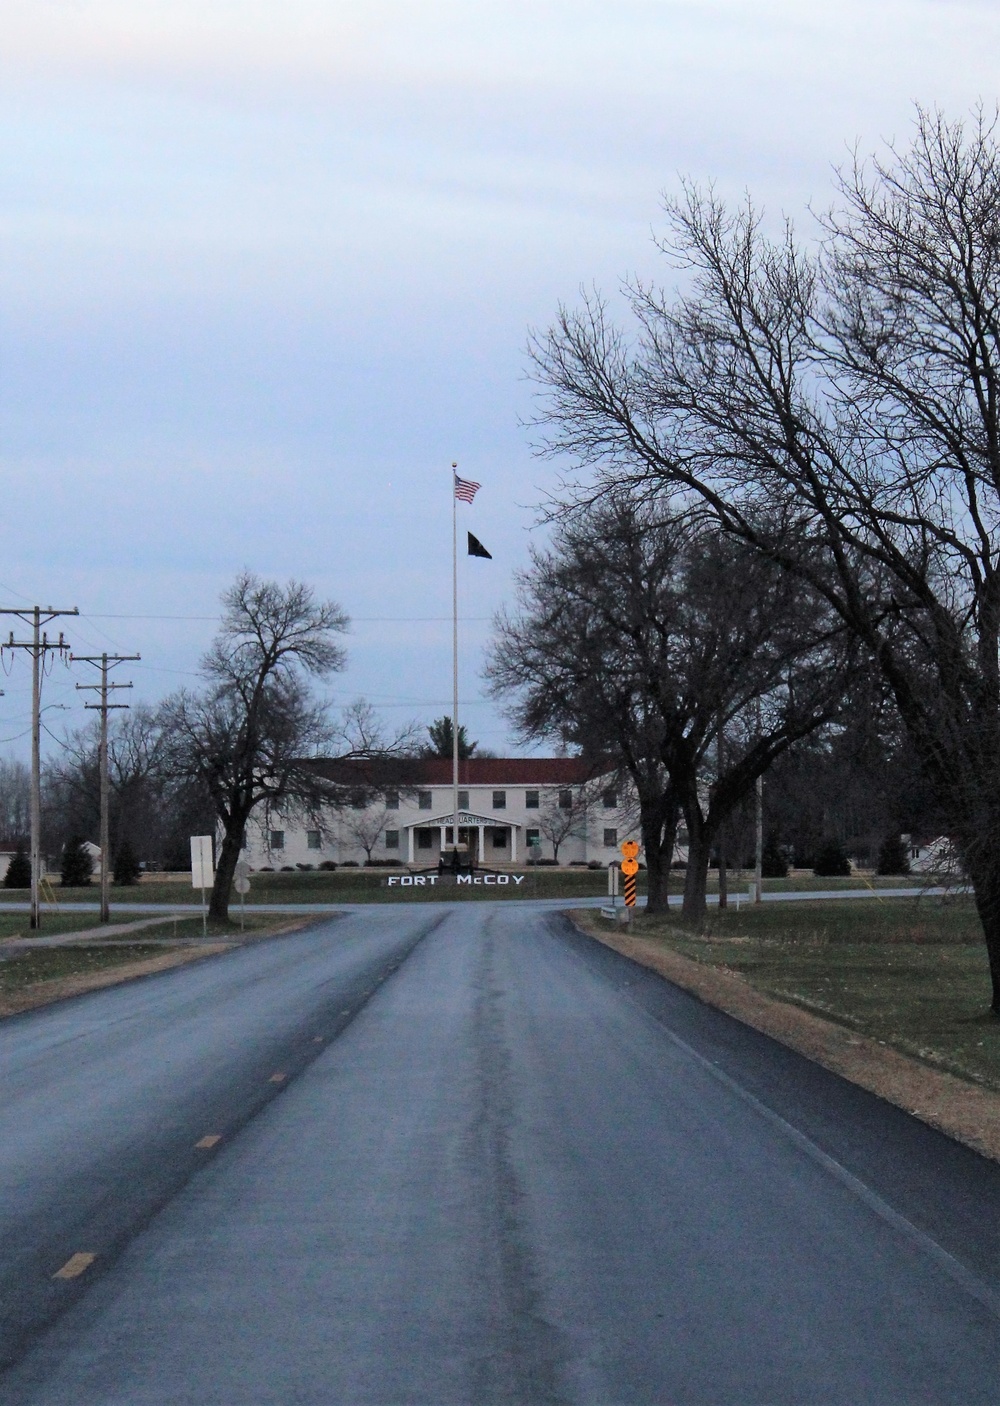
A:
[392,839]
[463,800]
[500,840]
[499,800]
[565,800]
[609,799]
[392,800]
[277,839]
[610,839]
[532,837]
[313,839]
[424,800]
[425,839]
[531,800]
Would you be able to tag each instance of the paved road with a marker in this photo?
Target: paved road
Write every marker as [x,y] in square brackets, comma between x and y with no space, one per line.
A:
[501,1164]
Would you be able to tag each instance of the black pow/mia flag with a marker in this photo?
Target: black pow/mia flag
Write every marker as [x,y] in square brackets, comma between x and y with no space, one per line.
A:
[476,548]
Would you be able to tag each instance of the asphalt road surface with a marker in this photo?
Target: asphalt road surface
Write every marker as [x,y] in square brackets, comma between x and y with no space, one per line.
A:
[460,1154]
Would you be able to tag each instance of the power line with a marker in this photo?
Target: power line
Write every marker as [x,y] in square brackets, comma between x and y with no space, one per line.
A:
[354,619]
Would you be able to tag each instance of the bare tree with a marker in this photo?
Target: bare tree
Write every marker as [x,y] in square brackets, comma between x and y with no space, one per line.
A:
[141,799]
[639,635]
[15,798]
[248,737]
[361,734]
[367,826]
[839,412]
[564,815]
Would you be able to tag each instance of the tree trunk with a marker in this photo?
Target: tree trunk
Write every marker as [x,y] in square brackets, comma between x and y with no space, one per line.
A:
[225,870]
[659,851]
[985,876]
[696,878]
[723,884]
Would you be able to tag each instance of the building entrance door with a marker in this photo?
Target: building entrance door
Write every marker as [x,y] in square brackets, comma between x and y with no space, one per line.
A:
[468,838]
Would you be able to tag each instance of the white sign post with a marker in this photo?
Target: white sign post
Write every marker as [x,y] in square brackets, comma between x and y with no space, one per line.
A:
[242,885]
[202,871]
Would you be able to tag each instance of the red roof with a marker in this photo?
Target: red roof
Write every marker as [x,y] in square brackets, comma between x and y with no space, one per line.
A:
[507,771]
[476,771]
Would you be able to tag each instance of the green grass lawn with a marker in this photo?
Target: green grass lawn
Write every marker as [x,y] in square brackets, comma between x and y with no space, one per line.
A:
[368,886]
[909,972]
[16,924]
[49,963]
[351,886]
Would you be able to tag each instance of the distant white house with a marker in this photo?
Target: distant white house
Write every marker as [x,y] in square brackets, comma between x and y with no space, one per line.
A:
[934,856]
[509,808]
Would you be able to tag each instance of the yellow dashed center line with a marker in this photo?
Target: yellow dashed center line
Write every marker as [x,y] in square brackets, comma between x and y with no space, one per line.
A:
[209,1140]
[278,1078]
[75,1265]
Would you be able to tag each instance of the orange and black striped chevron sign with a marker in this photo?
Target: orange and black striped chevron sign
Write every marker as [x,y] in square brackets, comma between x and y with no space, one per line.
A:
[630,867]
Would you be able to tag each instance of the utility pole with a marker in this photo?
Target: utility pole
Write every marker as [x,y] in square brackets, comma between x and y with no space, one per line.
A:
[723,873]
[758,867]
[105,661]
[38,646]
[758,864]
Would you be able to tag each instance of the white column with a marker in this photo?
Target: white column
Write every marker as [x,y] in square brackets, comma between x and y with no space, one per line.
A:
[411,831]
[443,829]
[482,843]
[513,844]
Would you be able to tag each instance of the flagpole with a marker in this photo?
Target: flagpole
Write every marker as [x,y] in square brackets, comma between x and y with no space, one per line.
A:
[454,657]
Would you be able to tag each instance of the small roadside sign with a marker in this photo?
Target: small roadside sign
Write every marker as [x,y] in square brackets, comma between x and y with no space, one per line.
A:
[630,867]
[202,871]
[241,883]
[202,868]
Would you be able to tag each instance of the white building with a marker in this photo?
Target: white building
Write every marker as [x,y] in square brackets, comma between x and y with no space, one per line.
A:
[506,804]
[933,856]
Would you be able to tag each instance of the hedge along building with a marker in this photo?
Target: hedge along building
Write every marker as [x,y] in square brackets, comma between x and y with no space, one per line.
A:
[506,804]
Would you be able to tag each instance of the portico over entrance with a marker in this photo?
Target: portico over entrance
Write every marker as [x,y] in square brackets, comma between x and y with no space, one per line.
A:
[489,838]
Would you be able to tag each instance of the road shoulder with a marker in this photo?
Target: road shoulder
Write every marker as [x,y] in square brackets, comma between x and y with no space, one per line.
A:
[961,1110]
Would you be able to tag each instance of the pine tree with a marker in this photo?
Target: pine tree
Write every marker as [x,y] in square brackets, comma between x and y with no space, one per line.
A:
[892,856]
[77,865]
[18,875]
[441,734]
[831,861]
[127,868]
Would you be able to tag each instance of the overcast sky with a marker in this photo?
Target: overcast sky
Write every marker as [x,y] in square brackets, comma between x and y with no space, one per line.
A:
[268,267]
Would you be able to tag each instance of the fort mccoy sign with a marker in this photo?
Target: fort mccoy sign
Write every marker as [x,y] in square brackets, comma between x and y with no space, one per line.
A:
[457,880]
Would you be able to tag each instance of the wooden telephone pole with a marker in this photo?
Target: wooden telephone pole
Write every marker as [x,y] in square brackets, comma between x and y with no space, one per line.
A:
[38,646]
[105,662]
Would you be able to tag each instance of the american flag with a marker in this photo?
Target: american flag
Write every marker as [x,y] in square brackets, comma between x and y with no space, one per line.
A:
[465,489]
